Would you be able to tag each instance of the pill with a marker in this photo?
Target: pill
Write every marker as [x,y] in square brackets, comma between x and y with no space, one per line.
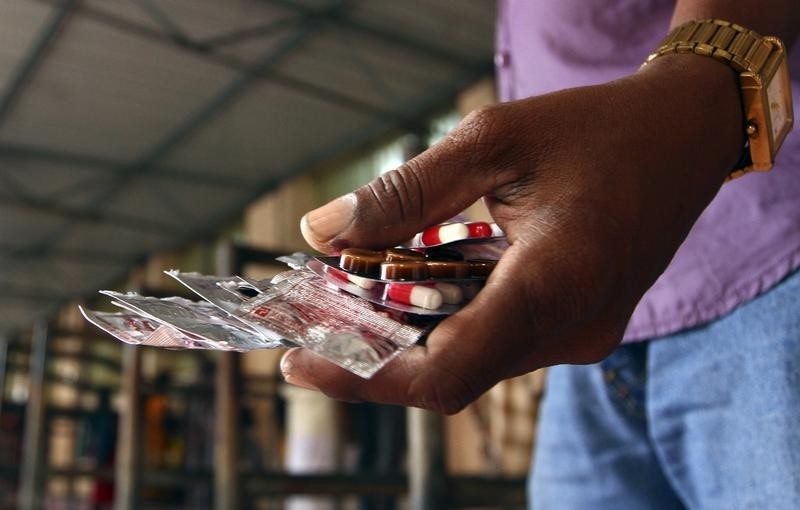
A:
[446,233]
[481,268]
[361,262]
[336,273]
[479,229]
[451,293]
[412,270]
[414,294]
[448,269]
[403,255]
[443,254]
[364,283]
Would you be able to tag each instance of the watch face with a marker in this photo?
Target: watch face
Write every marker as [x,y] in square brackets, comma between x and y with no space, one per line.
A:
[779,99]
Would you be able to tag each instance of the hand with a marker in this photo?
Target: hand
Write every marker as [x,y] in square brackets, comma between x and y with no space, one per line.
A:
[595,188]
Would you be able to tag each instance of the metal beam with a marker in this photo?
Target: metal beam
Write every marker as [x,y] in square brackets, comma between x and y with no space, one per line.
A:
[41,45]
[172,29]
[186,127]
[238,36]
[382,34]
[109,166]
[378,82]
[79,256]
[203,49]
[113,219]
[199,117]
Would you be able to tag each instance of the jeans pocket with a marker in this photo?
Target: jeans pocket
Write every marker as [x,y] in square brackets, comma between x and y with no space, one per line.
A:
[625,376]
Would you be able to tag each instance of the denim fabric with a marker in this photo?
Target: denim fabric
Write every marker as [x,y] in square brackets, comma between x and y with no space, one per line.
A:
[704,419]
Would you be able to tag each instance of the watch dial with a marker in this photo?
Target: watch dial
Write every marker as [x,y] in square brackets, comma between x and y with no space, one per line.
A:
[780,104]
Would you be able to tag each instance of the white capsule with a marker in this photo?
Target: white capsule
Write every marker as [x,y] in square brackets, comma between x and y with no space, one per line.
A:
[364,283]
[451,293]
[453,232]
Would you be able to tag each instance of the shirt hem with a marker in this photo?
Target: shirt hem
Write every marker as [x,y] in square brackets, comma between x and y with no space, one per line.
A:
[707,312]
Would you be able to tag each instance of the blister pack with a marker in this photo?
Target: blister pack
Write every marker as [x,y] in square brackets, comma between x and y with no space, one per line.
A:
[134,329]
[456,232]
[296,308]
[342,328]
[201,319]
[444,268]
[358,310]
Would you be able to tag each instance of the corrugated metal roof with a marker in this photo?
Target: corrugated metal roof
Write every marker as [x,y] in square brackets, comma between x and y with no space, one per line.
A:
[132,126]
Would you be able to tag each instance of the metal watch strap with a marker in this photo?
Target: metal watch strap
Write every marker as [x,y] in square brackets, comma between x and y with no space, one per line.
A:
[740,48]
[744,50]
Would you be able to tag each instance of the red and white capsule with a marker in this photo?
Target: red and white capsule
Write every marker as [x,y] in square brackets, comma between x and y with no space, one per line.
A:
[452,294]
[364,283]
[443,234]
[478,229]
[415,295]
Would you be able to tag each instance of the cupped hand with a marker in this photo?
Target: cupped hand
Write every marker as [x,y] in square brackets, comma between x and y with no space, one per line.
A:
[595,187]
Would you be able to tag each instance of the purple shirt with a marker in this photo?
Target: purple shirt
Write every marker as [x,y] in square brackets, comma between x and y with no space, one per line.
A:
[746,240]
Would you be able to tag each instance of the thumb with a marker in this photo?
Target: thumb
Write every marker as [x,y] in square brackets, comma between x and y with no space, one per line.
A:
[436,185]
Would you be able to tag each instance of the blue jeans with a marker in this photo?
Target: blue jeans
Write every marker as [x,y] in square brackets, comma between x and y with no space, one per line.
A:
[704,419]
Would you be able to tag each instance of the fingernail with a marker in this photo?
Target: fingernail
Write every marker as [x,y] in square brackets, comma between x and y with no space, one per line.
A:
[330,220]
[289,372]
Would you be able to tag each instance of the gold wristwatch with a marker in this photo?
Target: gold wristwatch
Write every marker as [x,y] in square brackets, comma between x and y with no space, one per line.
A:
[763,78]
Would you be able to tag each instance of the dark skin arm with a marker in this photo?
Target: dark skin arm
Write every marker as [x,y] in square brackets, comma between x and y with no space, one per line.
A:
[595,187]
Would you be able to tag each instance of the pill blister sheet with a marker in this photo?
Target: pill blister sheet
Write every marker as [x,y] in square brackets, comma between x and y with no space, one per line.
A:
[435,281]
[297,308]
[344,329]
[456,233]
[197,318]
[134,329]
[355,322]
[375,293]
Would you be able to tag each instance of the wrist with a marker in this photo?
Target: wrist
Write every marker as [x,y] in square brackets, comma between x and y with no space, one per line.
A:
[762,73]
[703,98]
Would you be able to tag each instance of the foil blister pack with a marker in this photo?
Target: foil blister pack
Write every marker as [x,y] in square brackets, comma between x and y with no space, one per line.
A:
[296,308]
[354,314]
[435,274]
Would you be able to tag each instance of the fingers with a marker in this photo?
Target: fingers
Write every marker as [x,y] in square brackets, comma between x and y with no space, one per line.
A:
[463,357]
[430,188]
[410,379]
[539,307]
[451,371]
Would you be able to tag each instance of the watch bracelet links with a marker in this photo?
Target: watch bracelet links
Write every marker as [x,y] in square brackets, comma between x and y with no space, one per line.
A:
[742,49]
[739,47]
